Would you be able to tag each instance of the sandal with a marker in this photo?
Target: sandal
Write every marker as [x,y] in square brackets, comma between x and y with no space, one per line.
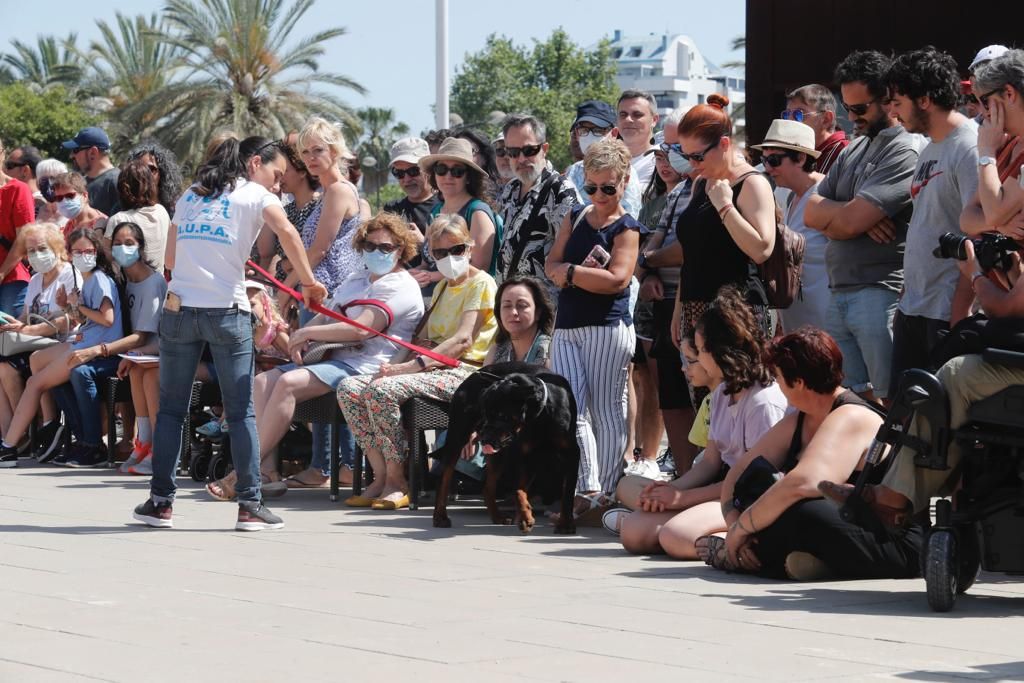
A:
[711,549]
[219,490]
[295,482]
[588,508]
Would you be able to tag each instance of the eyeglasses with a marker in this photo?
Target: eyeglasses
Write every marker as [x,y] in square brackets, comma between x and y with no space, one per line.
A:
[592,130]
[456,171]
[609,190]
[500,152]
[83,252]
[62,197]
[859,109]
[528,151]
[699,156]
[440,252]
[382,247]
[775,160]
[9,165]
[984,98]
[412,172]
[797,114]
[673,147]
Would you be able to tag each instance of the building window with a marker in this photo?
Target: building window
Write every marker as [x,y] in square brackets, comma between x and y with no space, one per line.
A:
[616,52]
[665,101]
[634,51]
[700,99]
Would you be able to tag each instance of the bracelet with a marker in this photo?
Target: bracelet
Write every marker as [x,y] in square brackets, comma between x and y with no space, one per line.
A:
[304,285]
[974,278]
[724,210]
[739,523]
[103,350]
[569,272]
[420,362]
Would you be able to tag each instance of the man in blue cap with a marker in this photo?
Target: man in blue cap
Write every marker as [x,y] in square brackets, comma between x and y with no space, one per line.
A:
[90,153]
[595,120]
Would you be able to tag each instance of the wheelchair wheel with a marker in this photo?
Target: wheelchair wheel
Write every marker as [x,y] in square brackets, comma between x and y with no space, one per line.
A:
[220,466]
[941,569]
[199,463]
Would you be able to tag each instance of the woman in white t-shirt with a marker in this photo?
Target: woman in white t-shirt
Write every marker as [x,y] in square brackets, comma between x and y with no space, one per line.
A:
[216,222]
[744,406]
[382,296]
[48,256]
[138,188]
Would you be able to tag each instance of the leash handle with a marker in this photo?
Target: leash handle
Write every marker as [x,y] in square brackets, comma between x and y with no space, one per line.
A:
[433,355]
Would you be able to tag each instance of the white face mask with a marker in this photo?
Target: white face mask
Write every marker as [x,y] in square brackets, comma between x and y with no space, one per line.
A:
[453,267]
[586,139]
[84,262]
[42,261]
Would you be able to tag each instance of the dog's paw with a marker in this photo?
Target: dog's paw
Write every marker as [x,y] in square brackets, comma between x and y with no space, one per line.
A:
[442,522]
[567,529]
[526,525]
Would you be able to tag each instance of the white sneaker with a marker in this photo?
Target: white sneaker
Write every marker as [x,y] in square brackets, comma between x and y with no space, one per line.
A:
[612,519]
[143,467]
[648,469]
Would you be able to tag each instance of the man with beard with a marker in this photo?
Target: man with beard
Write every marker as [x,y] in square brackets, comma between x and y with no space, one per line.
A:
[863,206]
[925,92]
[90,153]
[533,204]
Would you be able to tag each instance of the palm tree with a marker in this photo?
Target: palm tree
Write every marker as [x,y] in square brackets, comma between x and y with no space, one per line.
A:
[381,131]
[130,65]
[241,74]
[739,43]
[50,62]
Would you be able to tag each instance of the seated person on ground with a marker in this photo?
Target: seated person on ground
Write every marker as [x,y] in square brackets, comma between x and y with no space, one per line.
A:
[779,525]
[381,296]
[672,516]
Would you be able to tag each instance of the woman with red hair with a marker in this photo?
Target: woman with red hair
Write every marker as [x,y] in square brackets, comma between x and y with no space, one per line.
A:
[730,221]
[779,525]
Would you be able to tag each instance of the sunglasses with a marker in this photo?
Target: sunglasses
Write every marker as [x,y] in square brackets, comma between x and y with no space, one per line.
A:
[859,109]
[440,252]
[797,114]
[775,160]
[456,171]
[983,99]
[382,247]
[500,152]
[528,151]
[9,165]
[699,156]
[674,147]
[609,190]
[412,172]
[62,197]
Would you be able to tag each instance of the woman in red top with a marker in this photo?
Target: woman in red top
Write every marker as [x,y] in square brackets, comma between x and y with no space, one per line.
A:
[17,208]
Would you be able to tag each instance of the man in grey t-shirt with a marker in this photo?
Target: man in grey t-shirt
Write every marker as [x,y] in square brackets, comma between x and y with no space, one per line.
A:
[926,88]
[863,206]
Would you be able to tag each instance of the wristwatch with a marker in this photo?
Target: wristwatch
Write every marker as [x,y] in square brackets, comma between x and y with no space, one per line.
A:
[569,273]
[986,161]
[642,261]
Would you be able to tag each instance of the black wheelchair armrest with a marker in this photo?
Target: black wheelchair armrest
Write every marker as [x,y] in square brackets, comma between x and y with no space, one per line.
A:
[1013,359]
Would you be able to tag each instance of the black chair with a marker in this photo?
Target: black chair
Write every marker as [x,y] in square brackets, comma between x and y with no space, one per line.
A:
[420,413]
[325,410]
[120,390]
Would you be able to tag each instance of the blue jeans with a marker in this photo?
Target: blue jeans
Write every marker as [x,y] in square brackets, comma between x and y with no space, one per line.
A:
[12,297]
[861,323]
[183,335]
[83,408]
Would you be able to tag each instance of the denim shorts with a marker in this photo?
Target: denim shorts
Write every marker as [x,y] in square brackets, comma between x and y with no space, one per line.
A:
[330,372]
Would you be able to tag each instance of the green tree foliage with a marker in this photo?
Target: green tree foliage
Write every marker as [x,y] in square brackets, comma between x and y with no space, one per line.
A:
[548,80]
[380,130]
[44,119]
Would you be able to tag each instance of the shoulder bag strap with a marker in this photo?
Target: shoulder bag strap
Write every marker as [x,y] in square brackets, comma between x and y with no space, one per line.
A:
[426,315]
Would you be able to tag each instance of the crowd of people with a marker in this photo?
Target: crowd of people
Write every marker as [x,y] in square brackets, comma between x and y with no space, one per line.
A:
[633,273]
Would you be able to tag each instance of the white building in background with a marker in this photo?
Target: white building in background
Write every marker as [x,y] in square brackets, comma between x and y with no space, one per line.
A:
[671,68]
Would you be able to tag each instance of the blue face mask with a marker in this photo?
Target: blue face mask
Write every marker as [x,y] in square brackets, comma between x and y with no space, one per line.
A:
[125,254]
[679,164]
[69,208]
[380,263]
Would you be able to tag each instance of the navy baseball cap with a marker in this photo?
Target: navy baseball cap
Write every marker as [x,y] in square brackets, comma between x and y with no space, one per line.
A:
[88,137]
[596,112]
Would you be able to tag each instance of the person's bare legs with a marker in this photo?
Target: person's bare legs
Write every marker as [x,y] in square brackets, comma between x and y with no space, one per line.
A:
[11,388]
[395,485]
[678,536]
[376,461]
[631,435]
[628,490]
[639,531]
[649,425]
[49,369]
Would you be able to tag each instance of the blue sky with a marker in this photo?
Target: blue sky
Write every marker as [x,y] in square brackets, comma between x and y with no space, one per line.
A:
[389,48]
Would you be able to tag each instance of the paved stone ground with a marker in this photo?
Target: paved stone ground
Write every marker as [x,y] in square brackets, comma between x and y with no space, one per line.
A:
[345,594]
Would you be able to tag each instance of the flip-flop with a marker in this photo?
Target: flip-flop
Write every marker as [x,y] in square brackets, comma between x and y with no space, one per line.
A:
[274,489]
[222,496]
[294,482]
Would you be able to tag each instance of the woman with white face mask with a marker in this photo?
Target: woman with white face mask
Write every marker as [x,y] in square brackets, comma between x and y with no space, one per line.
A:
[44,244]
[460,324]
[383,296]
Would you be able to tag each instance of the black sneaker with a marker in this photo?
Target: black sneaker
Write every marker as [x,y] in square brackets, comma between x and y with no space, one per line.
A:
[256,518]
[63,455]
[156,515]
[48,441]
[9,457]
[87,456]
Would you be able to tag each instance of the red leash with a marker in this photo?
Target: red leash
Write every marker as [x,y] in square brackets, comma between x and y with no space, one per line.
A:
[450,362]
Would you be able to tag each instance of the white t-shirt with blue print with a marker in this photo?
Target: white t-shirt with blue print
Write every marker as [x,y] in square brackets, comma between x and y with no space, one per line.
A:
[213,240]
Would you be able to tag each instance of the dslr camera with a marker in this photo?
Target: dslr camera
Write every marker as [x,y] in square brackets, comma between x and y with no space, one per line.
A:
[992,249]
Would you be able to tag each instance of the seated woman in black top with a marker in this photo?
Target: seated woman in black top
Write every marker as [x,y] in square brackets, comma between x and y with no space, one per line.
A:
[785,529]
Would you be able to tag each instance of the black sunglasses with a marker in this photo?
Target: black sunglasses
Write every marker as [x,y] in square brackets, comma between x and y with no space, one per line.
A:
[14,164]
[775,160]
[527,151]
[797,114]
[983,99]
[440,252]
[699,156]
[382,247]
[456,171]
[412,172]
[500,152]
[859,109]
[609,190]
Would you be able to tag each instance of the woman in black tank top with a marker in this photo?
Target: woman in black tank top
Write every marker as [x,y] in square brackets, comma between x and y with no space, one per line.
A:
[789,530]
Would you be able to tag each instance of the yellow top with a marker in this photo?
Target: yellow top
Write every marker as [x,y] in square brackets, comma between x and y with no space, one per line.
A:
[475,294]
[698,435]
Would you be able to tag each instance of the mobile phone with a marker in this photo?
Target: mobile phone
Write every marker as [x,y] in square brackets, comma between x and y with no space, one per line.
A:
[598,256]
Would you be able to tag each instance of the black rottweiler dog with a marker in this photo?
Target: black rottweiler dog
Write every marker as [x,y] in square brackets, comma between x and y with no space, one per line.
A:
[524,417]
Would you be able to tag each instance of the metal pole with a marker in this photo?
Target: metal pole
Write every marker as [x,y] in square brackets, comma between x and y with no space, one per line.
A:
[441,96]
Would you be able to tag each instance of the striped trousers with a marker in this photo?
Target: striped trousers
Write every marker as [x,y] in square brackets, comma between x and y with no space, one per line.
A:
[595,360]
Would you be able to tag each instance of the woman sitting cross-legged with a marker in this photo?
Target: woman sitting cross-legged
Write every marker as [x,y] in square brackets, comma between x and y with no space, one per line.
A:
[460,321]
[382,296]
[779,526]
[747,403]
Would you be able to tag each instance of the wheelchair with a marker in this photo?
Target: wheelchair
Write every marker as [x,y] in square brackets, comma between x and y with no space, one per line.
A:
[982,525]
